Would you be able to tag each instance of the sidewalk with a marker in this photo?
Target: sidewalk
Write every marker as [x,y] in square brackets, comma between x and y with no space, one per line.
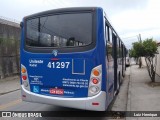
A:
[9,84]
[141,96]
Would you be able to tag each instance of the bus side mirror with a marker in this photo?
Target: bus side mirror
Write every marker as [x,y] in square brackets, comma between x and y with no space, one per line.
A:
[21,24]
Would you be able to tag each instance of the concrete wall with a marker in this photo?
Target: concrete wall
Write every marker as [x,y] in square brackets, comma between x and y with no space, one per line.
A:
[9,48]
[158,62]
[143,62]
[157,76]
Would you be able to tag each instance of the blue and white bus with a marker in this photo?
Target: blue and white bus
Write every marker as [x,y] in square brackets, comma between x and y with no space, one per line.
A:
[71,57]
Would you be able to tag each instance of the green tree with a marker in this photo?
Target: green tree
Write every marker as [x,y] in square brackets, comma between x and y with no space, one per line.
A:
[132,53]
[138,52]
[148,49]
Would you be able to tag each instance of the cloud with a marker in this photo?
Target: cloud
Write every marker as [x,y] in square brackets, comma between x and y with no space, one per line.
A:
[127,4]
[139,21]
[129,17]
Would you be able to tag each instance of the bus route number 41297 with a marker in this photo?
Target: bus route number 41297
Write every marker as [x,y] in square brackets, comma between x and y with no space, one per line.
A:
[58,64]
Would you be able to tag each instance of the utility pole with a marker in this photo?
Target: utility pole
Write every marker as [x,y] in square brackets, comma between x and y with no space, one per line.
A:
[140,38]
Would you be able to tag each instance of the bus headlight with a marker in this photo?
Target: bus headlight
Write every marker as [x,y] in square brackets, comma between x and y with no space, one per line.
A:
[95,81]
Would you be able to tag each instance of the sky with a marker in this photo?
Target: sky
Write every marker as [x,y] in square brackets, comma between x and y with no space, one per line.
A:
[129,17]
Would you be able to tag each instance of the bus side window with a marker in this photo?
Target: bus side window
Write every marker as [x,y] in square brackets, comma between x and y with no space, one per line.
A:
[109,52]
[109,46]
[107,32]
[110,35]
[107,36]
[118,48]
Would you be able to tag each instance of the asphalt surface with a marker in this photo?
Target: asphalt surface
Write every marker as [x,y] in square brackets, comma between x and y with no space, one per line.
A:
[135,95]
[11,101]
[9,84]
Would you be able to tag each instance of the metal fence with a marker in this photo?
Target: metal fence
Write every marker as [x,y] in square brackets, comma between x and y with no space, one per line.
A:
[9,48]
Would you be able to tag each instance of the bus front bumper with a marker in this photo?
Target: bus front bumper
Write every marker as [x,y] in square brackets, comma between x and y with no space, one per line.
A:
[79,103]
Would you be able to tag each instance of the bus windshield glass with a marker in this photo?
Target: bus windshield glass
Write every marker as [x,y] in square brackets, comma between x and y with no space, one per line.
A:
[59,30]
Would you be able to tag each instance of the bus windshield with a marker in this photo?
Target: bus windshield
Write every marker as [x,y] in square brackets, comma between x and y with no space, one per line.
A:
[59,30]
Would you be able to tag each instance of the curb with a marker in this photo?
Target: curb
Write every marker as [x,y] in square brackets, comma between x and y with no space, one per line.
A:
[9,91]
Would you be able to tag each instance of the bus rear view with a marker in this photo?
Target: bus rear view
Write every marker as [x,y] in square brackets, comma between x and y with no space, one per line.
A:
[61,61]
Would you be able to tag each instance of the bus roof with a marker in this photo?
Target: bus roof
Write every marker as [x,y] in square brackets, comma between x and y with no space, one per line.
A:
[61,10]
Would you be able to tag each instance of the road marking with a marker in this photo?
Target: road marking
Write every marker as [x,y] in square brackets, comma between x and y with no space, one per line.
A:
[12,103]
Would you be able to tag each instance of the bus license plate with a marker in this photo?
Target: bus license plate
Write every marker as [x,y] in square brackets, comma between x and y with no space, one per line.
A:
[56,91]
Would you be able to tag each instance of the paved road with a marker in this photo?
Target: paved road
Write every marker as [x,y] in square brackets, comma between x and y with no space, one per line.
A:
[13,102]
